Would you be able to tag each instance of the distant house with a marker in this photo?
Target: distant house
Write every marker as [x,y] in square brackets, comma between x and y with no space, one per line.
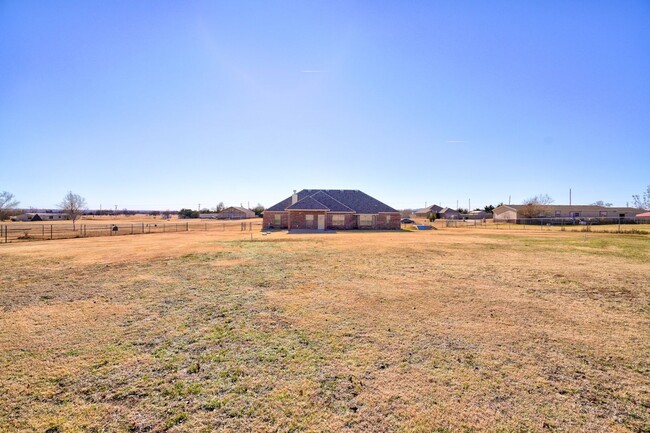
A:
[645,216]
[428,211]
[235,213]
[40,216]
[477,215]
[516,212]
[331,209]
[449,213]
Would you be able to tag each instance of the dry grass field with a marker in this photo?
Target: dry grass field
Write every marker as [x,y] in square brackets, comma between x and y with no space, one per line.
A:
[453,330]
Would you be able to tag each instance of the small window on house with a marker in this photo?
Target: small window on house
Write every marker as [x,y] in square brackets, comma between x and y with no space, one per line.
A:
[309,220]
[338,220]
[51,217]
[387,218]
[277,220]
[603,213]
[365,220]
[558,213]
[575,214]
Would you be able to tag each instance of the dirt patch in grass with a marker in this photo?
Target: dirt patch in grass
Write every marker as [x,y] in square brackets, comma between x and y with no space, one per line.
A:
[381,332]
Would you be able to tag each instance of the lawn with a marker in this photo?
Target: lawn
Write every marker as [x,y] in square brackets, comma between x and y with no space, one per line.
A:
[440,331]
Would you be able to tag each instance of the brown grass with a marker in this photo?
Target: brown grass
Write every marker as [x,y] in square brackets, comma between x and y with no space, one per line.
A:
[450,330]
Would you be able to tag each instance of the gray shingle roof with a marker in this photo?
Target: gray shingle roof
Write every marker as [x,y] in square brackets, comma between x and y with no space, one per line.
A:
[308,203]
[336,200]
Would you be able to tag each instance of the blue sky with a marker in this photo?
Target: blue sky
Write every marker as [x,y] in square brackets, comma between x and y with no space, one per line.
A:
[164,105]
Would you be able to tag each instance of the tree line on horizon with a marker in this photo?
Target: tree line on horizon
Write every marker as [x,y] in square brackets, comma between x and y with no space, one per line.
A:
[74,205]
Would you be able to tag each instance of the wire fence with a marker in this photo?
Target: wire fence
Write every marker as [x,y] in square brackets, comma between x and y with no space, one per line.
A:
[614,225]
[38,232]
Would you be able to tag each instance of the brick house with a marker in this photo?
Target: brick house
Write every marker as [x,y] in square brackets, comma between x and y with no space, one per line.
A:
[331,209]
[428,211]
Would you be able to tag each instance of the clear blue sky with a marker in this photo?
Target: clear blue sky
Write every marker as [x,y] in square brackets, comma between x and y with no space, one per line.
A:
[164,105]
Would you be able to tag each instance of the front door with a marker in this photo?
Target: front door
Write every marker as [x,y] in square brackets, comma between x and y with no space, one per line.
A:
[321,222]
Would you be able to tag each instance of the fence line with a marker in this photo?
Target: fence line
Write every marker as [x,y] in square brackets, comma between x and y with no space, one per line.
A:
[620,225]
[34,232]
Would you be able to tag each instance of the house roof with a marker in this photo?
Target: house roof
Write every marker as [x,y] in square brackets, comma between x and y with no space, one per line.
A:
[44,213]
[432,208]
[443,210]
[308,203]
[643,215]
[241,209]
[334,200]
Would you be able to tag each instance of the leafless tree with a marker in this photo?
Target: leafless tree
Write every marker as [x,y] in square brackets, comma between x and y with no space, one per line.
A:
[601,203]
[534,207]
[73,205]
[7,204]
[643,203]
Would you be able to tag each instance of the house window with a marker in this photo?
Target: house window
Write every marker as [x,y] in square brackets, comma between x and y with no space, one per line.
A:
[338,220]
[558,213]
[603,213]
[277,220]
[309,221]
[387,218]
[365,220]
[575,214]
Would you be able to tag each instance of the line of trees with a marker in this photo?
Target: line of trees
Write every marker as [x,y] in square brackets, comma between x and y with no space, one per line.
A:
[74,205]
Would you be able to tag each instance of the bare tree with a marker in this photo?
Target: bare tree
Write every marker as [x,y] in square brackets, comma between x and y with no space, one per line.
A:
[643,203]
[7,204]
[601,203]
[73,205]
[534,207]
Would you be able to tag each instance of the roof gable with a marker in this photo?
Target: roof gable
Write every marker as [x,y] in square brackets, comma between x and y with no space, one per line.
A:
[333,204]
[308,203]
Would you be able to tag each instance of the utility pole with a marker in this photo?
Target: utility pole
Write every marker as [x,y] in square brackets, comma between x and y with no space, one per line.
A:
[569,196]
[469,204]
